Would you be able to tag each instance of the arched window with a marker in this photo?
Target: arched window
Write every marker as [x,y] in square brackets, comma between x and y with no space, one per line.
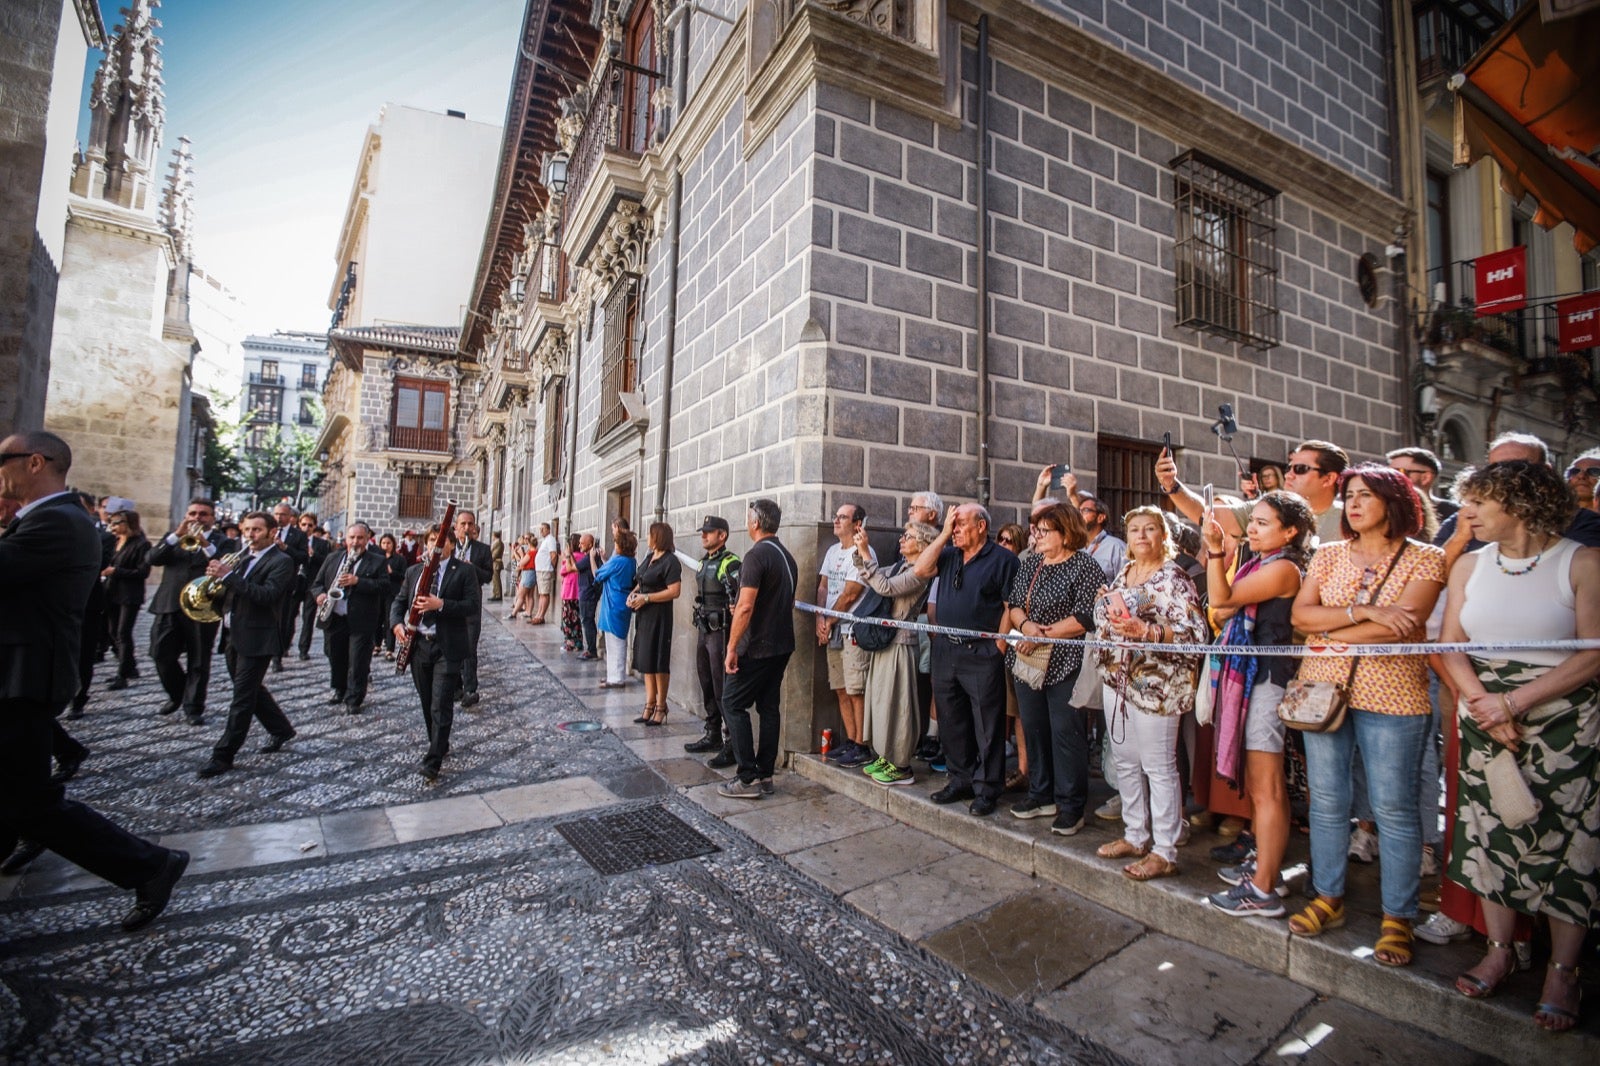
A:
[1453,440]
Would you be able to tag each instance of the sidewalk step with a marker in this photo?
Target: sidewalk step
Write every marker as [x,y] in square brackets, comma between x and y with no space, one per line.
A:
[1337,964]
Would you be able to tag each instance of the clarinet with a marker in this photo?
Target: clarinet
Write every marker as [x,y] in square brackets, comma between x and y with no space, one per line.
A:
[431,557]
[335,593]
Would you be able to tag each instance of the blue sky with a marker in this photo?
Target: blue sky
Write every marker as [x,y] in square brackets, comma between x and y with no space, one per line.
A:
[276,98]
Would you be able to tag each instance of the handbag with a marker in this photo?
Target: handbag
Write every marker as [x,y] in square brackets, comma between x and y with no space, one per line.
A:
[1510,797]
[1320,706]
[1031,668]
[1203,710]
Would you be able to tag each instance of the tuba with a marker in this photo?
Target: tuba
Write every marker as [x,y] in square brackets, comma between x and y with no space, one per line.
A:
[335,593]
[199,597]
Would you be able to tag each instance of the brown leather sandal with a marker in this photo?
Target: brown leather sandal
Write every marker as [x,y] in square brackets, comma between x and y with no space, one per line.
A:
[1122,849]
[1151,867]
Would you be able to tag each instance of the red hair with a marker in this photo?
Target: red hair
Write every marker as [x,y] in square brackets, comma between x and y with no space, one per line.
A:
[1401,502]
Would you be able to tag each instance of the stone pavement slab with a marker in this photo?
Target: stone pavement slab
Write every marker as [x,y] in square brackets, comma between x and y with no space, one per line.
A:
[938,895]
[548,798]
[1161,1000]
[236,847]
[349,831]
[1332,1033]
[875,855]
[807,822]
[441,817]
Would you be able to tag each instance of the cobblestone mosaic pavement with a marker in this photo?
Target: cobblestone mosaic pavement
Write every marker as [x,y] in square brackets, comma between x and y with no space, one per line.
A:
[142,768]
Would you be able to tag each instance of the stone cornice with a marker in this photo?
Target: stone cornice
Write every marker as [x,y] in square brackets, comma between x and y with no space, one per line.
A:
[90,22]
[108,218]
[1043,44]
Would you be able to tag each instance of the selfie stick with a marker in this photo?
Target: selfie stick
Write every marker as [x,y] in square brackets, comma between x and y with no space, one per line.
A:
[1225,427]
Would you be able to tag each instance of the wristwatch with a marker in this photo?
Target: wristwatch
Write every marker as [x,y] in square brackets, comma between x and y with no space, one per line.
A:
[1176,485]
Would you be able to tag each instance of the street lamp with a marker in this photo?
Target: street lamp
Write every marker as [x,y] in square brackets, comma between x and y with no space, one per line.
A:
[554,175]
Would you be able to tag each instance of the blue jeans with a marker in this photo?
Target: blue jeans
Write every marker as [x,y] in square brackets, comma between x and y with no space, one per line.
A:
[1391,746]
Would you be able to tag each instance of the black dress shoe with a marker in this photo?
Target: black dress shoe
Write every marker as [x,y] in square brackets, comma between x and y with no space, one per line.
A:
[335,696]
[304,655]
[470,699]
[277,665]
[429,770]
[117,684]
[151,898]
[982,807]
[74,713]
[951,794]
[168,707]
[214,768]
[27,851]
[67,767]
[194,717]
[276,743]
[352,707]
[722,759]
[708,742]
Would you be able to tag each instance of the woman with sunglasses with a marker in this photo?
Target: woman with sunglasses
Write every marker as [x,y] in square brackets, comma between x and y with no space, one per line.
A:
[1528,583]
[125,578]
[1376,586]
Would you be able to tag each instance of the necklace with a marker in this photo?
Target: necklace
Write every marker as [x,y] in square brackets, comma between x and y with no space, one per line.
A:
[1499,561]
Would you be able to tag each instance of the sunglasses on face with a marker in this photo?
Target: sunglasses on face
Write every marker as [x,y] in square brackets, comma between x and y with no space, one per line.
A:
[1590,472]
[1302,469]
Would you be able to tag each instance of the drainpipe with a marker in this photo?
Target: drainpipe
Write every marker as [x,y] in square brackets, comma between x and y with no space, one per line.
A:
[982,279]
[1399,141]
[664,442]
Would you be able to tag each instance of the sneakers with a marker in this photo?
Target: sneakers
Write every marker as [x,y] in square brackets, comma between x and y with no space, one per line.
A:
[938,765]
[1442,929]
[860,756]
[1363,845]
[1110,810]
[842,752]
[733,788]
[766,786]
[1243,900]
[892,776]
[872,768]
[929,749]
[1241,849]
[1033,808]
[1065,827]
[1246,871]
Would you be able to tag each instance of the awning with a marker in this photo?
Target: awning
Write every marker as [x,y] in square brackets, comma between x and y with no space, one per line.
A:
[1530,99]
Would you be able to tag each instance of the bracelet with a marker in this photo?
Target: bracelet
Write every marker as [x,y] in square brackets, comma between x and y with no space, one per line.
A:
[1216,555]
[1350,613]
[1511,708]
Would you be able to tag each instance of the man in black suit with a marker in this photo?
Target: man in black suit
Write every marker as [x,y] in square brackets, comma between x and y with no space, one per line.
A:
[297,546]
[317,551]
[440,644]
[481,557]
[350,633]
[95,615]
[48,558]
[253,607]
[173,634]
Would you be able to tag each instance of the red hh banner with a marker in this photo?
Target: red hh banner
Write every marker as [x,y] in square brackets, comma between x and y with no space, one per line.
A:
[1579,318]
[1502,281]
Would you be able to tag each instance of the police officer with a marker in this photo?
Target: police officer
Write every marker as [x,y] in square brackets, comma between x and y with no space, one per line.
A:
[716,589]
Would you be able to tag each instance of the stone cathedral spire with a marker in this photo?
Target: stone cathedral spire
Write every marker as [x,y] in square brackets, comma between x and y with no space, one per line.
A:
[126,115]
[177,200]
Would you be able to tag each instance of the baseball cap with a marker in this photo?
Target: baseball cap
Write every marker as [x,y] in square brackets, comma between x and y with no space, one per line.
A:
[714,524]
[118,503]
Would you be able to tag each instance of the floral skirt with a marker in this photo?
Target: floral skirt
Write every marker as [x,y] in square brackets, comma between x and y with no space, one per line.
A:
[1551,864]
[571,626]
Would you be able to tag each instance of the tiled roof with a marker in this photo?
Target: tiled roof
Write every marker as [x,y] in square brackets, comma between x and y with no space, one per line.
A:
[441,339]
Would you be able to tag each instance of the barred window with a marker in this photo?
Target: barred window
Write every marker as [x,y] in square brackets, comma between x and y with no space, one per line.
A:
[1126,478]
[620,361]
[416,496]
[555,416]
[1226,251]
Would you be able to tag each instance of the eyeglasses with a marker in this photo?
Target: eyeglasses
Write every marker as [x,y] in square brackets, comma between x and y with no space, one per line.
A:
[1590,472]
[1303,469]
[844,518]
[6,457]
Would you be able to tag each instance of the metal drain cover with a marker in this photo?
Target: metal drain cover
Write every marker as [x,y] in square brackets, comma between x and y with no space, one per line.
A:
[631,840]
[579,727]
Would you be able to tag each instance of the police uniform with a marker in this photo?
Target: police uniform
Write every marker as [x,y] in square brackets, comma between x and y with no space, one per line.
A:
[716,592]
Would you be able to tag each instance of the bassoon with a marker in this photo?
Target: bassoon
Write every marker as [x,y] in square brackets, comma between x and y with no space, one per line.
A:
[432,556]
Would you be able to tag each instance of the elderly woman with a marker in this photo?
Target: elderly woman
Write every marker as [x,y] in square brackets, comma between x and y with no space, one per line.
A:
[1053,595]
[1151,600]
[1529,583]
[891,720]
[615,579]
[1258,599]
[1376,586]
[125,578]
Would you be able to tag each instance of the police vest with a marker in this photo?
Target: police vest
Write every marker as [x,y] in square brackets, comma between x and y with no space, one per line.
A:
[709,582]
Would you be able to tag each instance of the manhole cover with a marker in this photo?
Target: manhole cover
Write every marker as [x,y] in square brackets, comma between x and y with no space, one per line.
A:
[579,727]
[630,840]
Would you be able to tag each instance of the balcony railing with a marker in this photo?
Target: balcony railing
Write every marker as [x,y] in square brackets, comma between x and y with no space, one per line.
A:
[411,439]
[1450,32]
[618,119]
[258,378]
[1529,335]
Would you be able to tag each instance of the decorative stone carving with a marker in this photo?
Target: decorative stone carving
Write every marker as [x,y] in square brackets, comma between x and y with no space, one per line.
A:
[554,354]
[438,369]
[619,251]
[177,201]
[127,114]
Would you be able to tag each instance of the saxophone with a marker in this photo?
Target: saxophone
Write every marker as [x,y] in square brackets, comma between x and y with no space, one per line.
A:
[335,593]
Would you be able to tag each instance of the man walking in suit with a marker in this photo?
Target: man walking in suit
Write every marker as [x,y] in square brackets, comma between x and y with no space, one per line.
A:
[362,579]
[440,645]
[173,634]
[48,561]
[475,552]
[297,546]
[256,598]
[318,549]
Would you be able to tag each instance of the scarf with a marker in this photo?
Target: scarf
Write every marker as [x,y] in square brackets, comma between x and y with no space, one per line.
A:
[1232,678]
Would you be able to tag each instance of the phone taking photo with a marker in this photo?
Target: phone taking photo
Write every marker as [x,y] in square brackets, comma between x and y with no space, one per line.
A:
[1058,475]
[1166,443]
[1209,495]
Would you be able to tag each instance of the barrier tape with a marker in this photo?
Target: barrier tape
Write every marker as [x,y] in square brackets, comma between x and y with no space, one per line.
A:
[1336,649]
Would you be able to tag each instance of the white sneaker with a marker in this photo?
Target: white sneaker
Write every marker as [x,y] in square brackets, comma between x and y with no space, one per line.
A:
[1440,929]
[1430,863]
[1110,810]
[1363,845]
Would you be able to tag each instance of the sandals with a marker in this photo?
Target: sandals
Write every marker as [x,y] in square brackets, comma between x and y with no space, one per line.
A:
[1555,1013]
[659,717]
[1395,939]
[1122,849]
[1475,987]
[1150,867]
[1317,918]
[645,715]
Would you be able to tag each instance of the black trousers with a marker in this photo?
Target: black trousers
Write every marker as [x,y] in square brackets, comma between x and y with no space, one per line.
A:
[349,658]
[33,808]
[89,647]
[291,610]
[591,633]
[469,665]
[710,653]
[1057,734]
[250,700]
[308,624]
[758,682]
[177,636]
[435,677]
[123,616]
[969,687]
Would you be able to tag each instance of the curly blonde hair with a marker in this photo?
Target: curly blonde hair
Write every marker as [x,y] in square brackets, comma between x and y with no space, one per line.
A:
[1530,492]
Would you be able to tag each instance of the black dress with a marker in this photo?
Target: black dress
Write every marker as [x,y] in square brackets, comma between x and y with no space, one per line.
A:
[652,640]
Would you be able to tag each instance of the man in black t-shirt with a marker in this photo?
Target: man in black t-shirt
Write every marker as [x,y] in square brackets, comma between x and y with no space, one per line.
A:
[969,675]
[760,641]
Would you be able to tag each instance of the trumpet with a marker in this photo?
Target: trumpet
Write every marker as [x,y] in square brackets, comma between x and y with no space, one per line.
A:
[199,597]
[334,593]
[193,538]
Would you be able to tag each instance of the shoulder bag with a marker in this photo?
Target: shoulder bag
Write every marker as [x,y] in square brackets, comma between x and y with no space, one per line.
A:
[1031,668]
